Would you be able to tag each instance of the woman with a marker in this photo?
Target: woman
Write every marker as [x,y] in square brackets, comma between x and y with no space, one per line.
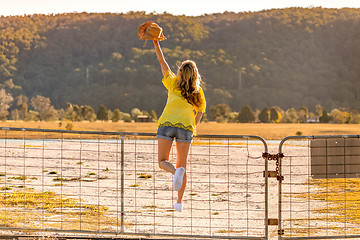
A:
[183,111]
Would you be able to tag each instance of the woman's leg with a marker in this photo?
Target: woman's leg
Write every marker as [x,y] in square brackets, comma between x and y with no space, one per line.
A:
[164,148]
[182,154]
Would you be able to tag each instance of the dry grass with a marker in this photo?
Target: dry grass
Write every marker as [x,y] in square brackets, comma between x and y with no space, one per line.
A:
[30,209]
[343,197]
[268,131]
[341,204]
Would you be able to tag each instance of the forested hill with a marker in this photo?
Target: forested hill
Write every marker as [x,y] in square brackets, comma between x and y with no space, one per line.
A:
[287,57]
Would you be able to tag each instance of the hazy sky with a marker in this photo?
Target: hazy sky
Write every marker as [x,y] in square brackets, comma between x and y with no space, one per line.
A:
[187,7]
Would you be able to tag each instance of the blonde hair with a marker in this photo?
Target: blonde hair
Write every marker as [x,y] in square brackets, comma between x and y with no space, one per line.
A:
[189,82]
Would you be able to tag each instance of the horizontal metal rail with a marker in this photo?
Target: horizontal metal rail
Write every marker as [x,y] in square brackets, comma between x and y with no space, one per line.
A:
[130,133]
[310,137]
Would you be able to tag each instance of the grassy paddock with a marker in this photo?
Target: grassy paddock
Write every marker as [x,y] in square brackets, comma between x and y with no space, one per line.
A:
[28,208]
[341,199]
[270,131]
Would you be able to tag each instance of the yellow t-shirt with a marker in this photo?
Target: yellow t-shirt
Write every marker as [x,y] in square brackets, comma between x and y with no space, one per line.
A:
[178,112]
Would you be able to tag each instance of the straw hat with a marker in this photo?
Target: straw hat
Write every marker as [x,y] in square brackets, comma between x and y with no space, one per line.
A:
[150,31]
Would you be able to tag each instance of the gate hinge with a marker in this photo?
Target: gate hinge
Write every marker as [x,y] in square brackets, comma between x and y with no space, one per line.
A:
[273,221]
[281,232]
[272,174]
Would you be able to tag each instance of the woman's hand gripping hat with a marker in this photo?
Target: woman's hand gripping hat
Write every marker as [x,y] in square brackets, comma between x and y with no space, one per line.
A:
[150,31]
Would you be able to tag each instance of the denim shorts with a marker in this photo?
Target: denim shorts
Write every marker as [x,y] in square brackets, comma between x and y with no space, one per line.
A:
[180,134]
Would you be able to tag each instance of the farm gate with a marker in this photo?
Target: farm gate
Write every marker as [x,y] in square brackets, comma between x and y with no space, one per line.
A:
[83,183]
[319,187]
[86,183]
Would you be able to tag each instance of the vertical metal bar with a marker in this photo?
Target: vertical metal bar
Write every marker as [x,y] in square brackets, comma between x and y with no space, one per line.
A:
[327,188]
[154,183]
[309,202]
[280,198]
[5,196]
[98,182]
[247,187]
[117,182]
[290,194]
[191,195]
[135,188]
[61,180]
[266,198]
[24,174]
[122,183]
[345,190]
[80,169]
[266,194]
[209,187]
[172,192]
[43,182]
[228,186]
[309,164]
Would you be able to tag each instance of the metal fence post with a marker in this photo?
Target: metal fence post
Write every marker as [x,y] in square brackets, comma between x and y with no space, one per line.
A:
[122,183]
[266,193]
[280,231]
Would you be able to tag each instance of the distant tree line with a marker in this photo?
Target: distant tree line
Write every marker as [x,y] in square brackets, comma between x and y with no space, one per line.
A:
[39,108]
[224,113]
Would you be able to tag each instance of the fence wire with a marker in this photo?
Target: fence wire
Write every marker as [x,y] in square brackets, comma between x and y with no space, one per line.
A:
[320,193]
[110,183]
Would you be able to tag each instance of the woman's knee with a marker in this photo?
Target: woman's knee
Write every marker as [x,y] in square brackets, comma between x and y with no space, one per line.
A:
[162,162]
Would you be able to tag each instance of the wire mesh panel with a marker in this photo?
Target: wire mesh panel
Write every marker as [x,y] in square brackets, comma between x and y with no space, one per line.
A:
[58,181]
[224,197]
[93,182]
[320,194]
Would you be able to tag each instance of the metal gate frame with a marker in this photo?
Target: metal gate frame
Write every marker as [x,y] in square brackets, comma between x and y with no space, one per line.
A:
[122,136]
[280,179]
[266,156]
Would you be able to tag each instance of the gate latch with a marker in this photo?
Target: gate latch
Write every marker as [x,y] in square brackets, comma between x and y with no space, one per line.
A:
[274,157]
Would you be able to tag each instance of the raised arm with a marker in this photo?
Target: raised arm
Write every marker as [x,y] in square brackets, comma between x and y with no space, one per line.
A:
[160,55]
